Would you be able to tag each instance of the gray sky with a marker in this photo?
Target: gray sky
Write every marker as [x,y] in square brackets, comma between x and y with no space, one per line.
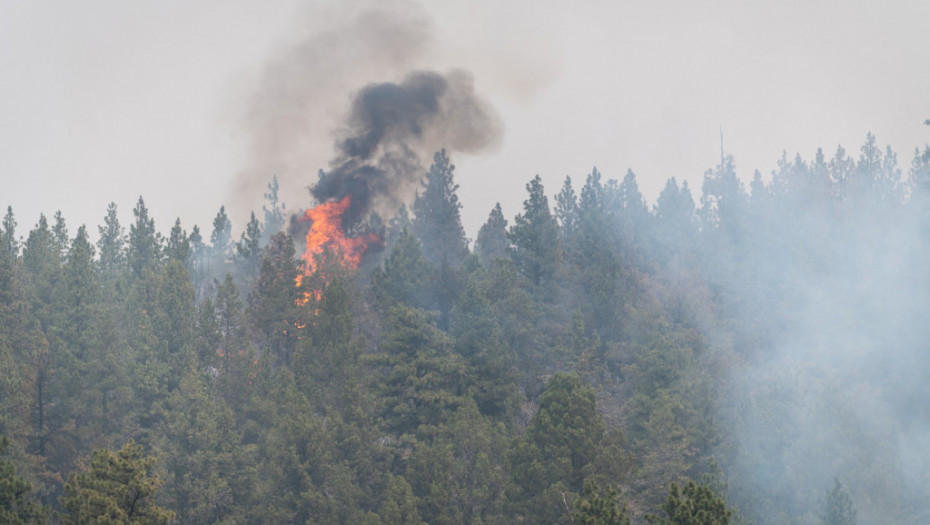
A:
[106,100]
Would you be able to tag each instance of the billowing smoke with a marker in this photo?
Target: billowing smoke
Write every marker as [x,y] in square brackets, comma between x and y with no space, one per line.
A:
[359,72]
[392,130]
[831,295]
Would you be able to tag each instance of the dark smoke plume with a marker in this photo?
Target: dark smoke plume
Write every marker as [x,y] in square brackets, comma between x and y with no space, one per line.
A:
[393,128]
[313,88]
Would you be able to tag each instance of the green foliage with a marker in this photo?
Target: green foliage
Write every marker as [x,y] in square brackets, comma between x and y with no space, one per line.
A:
[549,464]
[112,243]
[406,276]
[116,488]
[144,251]
[692,505]
[179,246]
[249,251]
[535,237]
[457,478]
[206,471]
[273,301]
[492,242]
[423,382]
[437,222]
[431,391]
[16,506]
[274,211]
[326,365]
[399,507]
[477,327]
[221,236]
[599,507]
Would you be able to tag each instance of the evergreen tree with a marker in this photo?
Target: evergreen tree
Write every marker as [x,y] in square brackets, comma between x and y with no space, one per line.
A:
[438,225]
[535,237]
[557,452]
[692,505]
[16,326]
[566,209]
[423,382]
[179,246]
[117,488]
[839,508]
[207,475]
[144,242]
[398,224]
[274,212]
[601,260]
[676,228]
[492,242]
[479,335]
[175,319]
[221,240]
[42,262]
[399,507]
[457,478]
[199,263]
[632,211]
[9,241]
[437,221]
[16,506]
[724,200]
[406,277]
[326,366]
[81,287]
[112,243]
[594,508]
[249,252]
[60,230]
[273,301]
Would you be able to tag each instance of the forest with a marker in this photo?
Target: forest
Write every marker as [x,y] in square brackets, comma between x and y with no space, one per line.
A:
[746,354]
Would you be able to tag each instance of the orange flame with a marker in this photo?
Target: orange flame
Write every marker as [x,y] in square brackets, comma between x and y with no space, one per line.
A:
[326,239]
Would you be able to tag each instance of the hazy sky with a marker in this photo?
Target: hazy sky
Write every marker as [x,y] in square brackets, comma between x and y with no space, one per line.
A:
[106,100]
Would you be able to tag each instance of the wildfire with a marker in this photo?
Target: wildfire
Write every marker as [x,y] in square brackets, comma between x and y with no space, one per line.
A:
[327,241]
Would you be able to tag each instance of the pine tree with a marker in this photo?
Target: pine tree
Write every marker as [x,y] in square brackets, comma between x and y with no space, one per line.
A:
[599,507]
[144,242]
[535,237]
[60,230]
[179,246]
[249,252]
[492,242]
[112,243]
[16,506]
[692,505]
[676,228]
[274,212]
[550,463]
[117,488]
[221,241]
[424,382]
[207,476]
[437,221]
[839,508]
[199,263]
[400,506]
[406,278]
[9,241]
[273,301]
[566,209]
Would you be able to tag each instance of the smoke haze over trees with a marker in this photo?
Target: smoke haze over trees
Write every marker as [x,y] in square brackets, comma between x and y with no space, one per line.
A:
[758,352]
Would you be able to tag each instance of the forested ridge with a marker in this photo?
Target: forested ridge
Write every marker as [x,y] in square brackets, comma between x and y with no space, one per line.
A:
[754,354]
